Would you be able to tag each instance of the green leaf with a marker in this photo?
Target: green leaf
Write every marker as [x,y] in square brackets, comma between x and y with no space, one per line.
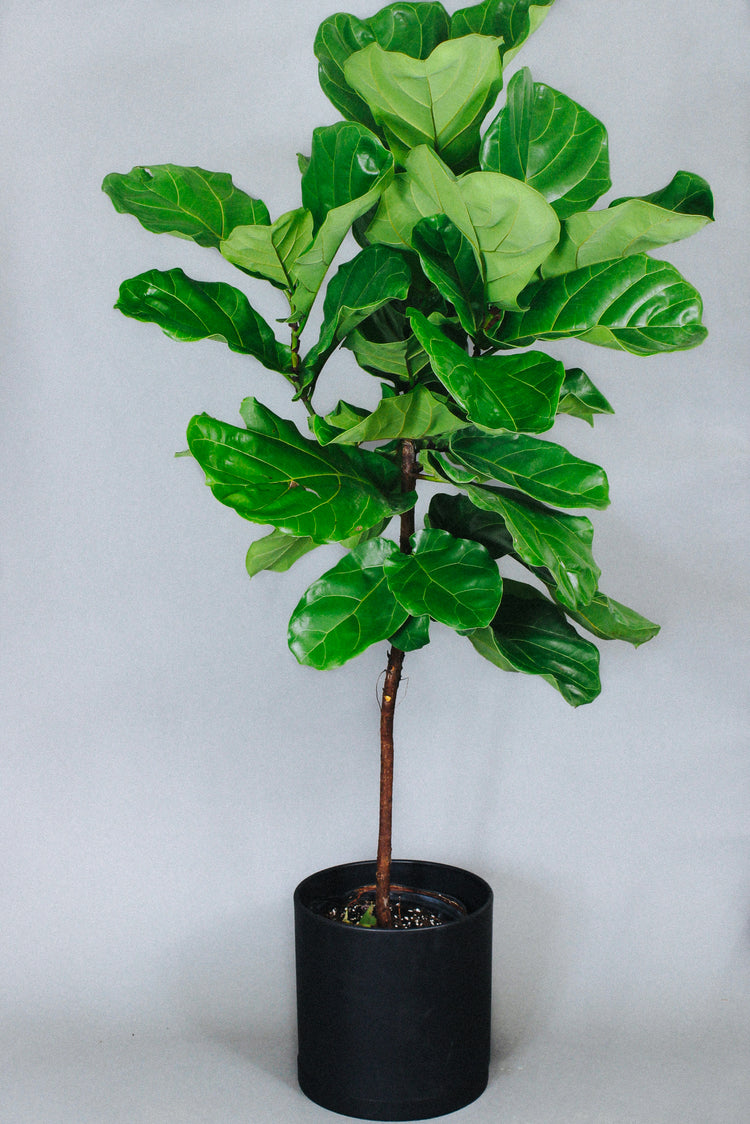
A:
[374,277]
[580,398]
[632,227]
[541,469]
[459,516]
[455,581]
[450,262]
[551,143]
[269,473]
[610,620]
[514,20]
[271,252]
[348,171]
[635,304]
[347,609]
[685,194]
[277,551]
[543,537]
[188,202]
[509,225]
[413,635]
[530,634]
[416,414]
[440,101]
[401,360]
[198,310]
[509,392]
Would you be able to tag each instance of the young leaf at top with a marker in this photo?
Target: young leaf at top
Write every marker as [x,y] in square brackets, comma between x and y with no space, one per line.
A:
[509,392]
[199,310]
[580,398]
[541,469]
[347,609]
[531,635]
[450,262]
[513,20]
[454,581]
[269,473]
[271,252]
[440,101]
[548,141]
[277,551]
[636,304]
[188,202]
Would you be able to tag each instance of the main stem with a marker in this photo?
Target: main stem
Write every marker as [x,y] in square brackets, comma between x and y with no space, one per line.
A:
[409,473]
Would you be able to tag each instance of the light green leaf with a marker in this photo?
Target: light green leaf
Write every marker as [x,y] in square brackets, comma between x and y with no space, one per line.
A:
[347,609]
[188,202]
[271,252]
[416,414]
[635,304]
[551,143]
[541,469]
[530,634]
[198,310]
[401,360]
[450,262]
[277,551]
[269,473]
[509,392]
[610,620]
[542,537]
[580,398]
[452,580]
[440,101]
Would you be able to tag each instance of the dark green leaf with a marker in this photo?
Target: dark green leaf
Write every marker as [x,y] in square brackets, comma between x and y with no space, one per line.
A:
[198,310]
[459,516]
[610,620]
[270,474]
[514,20]
[541,469]
[450,262]
[414,29]
[548,539]
[413,635]
[277,551]
[551,143]
[271,252]
[685,194]
[439,101]
[455,581]
[189,202]
[509,392]
[347,609]
[636,304]
[580,398]
[530,634]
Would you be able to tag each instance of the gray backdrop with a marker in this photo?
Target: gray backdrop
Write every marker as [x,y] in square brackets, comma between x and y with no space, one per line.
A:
[170,772]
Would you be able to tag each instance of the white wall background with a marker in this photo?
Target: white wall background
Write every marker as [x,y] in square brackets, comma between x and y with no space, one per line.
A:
[170,772]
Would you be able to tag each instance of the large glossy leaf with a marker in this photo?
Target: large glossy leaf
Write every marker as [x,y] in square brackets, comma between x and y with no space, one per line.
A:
[348,171]
[580,398]
[542,537]
[440,101]
[514,20]
[374,277]
[415,29]
[632,227]
[454,581]
[541,469]
[269,473]
[347,609]
[636,304]
[458,515]
[509,392]
[271,252]
[277,551]
[509,224]
[530,634]
[686,194]
[416,414]
[550,142]
[188,202]
[198,310]
[610,620]
[451,263]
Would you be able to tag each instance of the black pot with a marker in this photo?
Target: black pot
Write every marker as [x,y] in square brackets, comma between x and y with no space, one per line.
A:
[394,1024]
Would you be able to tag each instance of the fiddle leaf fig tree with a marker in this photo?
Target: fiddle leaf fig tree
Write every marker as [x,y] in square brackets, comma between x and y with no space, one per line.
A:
[479,241]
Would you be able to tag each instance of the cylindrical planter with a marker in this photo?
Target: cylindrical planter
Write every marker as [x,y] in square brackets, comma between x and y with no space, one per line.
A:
[394,1024]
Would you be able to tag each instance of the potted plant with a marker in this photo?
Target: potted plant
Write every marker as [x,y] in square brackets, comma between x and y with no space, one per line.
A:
[477,242]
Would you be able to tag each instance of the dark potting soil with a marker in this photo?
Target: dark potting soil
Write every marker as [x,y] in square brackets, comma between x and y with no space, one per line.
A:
[410,909]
